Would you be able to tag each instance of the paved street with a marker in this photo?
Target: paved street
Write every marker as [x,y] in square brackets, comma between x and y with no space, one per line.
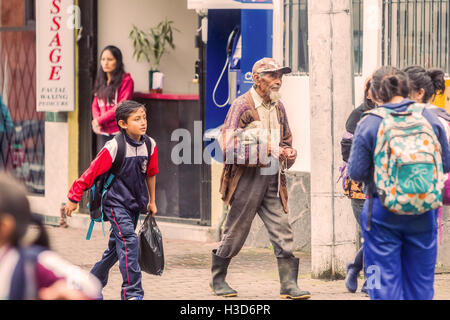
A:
[186,276]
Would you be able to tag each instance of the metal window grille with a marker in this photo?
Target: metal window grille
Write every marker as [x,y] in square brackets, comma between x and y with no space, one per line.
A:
[416,32]
[22,128]
[358,25]
[30,12]
[296,35]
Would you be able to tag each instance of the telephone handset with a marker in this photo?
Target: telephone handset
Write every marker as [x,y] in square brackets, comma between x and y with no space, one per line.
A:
[233,52]
[231,44]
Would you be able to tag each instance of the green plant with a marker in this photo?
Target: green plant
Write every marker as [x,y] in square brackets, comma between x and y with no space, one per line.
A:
[151,45]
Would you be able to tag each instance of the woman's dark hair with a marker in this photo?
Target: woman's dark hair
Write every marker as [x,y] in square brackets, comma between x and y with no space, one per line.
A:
[431,81]
[14,202]
[368,102]
[388,82]
[125,108]
[101,87]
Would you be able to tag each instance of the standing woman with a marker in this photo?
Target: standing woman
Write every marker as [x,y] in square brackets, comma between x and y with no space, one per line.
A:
[424,85]
[354,190]
[112,86]
[399,250]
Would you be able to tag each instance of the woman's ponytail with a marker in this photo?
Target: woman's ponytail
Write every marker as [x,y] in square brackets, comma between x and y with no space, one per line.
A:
[437,77]
[388,82]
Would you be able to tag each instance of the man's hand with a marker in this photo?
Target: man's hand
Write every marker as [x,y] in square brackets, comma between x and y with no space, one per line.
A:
[291,153]
[69,207]
[151,207]
[279,153]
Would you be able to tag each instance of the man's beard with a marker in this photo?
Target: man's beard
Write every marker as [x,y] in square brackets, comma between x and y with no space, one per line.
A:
[274,95]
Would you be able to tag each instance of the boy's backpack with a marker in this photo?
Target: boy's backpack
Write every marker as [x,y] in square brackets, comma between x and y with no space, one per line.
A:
[408,172]
[104,182]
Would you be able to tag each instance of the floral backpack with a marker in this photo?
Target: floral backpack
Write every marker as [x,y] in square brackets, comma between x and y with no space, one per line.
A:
[408,172]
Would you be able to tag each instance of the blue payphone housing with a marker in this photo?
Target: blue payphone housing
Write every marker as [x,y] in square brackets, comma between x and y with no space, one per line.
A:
[237,38]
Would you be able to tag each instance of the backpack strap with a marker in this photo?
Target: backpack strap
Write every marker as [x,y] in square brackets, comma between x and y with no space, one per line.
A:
[91,227]
[113,173]
[120,156]
[24,275]
[149,145]
[416,107]
[379,112]
[369,215]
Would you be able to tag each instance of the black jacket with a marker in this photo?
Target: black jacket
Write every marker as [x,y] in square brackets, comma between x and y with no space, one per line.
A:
[350,127]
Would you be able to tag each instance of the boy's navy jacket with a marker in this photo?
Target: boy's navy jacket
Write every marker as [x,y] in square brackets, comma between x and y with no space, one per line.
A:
[129,190]
[360,165]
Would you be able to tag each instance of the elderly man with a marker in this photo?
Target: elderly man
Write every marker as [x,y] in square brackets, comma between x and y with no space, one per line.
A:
[257,144]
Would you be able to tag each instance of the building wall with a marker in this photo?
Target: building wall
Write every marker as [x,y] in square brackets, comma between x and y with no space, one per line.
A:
[115,20]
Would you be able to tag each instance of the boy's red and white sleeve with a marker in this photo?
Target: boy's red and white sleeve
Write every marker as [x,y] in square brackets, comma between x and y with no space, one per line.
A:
[152,168]
[99,165]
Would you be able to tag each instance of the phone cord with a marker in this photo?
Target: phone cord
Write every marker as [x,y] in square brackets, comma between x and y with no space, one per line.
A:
[227,64]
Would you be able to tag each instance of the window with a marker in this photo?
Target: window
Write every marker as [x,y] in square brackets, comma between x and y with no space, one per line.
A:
[17,15]
[358,25]
[22,128]
[30,12]
[416,33]
[296,35]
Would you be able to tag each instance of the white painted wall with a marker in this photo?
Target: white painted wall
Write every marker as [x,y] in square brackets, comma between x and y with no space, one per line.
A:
[295,96]
[56,170]
[295,89]
[115,20]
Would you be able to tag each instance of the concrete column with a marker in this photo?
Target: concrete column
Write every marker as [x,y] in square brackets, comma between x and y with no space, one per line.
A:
[333,227]
[443,258]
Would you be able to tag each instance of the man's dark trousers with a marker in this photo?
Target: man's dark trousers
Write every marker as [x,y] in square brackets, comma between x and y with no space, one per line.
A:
[256,193]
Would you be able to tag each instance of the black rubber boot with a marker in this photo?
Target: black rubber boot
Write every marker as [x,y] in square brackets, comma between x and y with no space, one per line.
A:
[219,271]
[288,270]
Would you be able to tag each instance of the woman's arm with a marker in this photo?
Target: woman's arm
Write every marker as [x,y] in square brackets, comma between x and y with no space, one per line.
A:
[125,92]
[360,162]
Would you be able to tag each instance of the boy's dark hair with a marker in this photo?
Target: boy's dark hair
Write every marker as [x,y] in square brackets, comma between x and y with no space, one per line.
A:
[125,108]
[14,201]
[431,81]
[388,82]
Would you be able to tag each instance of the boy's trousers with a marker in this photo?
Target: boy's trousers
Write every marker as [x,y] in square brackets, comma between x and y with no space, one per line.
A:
[256,193]
[122,246]
[399,263]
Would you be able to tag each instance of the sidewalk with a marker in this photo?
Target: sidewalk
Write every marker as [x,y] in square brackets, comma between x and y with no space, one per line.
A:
[253,273]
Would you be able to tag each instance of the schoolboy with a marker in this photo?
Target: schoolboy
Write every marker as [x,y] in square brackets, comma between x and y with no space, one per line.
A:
[132,193]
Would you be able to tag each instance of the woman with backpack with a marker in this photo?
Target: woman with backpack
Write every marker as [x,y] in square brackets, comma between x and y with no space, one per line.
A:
[424,85]
[354,190]
[400,243]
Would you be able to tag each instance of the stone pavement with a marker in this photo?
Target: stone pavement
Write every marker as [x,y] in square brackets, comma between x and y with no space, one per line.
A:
[253,273]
